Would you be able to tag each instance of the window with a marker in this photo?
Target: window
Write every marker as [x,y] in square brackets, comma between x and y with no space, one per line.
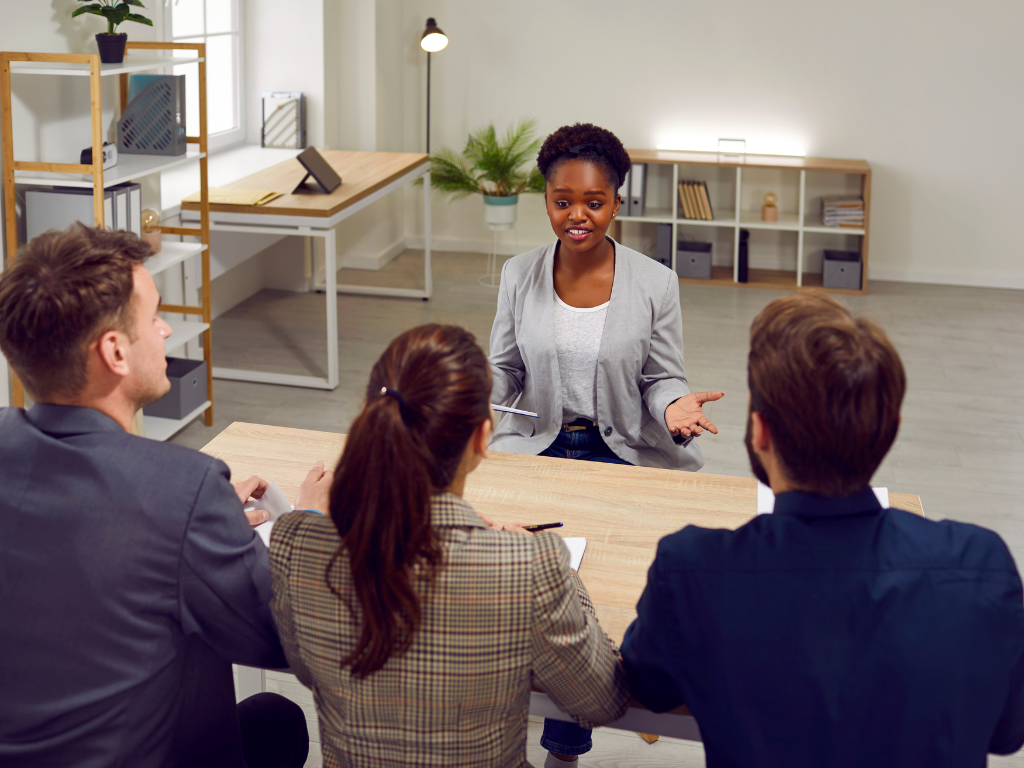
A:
[218,24]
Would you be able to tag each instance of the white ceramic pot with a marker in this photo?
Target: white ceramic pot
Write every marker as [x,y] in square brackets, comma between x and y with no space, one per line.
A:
[500,212]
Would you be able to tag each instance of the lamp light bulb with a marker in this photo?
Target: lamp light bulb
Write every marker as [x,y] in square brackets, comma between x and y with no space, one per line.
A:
[434,42]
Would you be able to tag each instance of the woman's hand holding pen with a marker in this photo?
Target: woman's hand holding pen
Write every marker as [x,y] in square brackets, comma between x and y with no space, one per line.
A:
[514,527]
[685,417]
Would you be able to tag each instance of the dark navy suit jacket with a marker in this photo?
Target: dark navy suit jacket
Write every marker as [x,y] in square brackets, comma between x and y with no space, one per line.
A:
[835,633]
[127,570]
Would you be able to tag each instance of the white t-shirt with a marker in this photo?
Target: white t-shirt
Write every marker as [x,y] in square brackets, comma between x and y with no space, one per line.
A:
[578,343]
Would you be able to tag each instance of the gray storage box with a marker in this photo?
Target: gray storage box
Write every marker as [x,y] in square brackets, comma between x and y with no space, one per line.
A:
[188,389]
[841,269]
[693,260]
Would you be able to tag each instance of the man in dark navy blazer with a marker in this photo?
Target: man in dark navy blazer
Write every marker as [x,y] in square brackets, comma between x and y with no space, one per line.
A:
[832,632]
[129,575]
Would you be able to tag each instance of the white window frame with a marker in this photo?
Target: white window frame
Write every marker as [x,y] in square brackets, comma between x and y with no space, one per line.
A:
[235,136]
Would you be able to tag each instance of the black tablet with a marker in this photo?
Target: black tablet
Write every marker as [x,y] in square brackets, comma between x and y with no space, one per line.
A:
[318,168]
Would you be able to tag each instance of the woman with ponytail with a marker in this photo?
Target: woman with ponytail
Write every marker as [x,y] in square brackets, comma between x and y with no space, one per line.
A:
[419,626]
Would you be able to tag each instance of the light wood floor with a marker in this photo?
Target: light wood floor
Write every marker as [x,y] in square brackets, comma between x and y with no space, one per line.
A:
[961,444]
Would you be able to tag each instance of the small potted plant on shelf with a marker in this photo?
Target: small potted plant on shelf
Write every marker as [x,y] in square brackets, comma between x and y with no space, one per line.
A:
[111,43]
[492,167]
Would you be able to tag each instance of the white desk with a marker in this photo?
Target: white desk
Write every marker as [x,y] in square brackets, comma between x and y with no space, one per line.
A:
[366,178]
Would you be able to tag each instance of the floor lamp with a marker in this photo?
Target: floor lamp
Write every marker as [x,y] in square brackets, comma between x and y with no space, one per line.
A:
[432,40]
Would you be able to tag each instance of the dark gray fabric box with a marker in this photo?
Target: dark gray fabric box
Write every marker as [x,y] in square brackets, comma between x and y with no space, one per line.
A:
[841,269]
[188,389]
[693,260]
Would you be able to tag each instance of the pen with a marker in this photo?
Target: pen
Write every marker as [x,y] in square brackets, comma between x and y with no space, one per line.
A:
[544,527]
[516,411]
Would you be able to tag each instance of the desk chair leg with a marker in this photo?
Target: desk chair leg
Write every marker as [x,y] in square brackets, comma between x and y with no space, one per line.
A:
[650,738]
[331,266]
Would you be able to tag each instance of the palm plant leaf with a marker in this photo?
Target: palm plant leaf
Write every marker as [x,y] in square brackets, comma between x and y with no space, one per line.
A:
[490,165]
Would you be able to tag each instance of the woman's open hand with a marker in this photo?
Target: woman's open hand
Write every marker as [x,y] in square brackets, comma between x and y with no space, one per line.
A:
[685,417]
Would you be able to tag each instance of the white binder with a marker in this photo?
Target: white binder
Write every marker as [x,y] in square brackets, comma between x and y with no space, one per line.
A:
[624,194]
[637,189]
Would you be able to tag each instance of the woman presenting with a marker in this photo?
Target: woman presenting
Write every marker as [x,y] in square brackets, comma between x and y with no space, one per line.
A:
[588,333]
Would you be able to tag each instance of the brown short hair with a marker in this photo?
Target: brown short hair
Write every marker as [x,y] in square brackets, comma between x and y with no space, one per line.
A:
[829,386]
[65,289]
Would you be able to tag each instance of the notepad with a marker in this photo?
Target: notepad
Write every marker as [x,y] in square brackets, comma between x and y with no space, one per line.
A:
[766,499]
[576,546]
[225,196]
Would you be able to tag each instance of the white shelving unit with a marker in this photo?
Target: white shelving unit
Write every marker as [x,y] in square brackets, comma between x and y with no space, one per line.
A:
[128,168]
[140,57]
[134,64]
[802,221]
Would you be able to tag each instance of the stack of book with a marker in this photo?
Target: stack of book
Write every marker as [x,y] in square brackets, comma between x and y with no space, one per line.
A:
[842,211]
[695,201]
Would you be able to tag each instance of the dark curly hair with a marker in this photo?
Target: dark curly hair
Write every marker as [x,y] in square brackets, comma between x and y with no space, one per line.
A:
[589,143]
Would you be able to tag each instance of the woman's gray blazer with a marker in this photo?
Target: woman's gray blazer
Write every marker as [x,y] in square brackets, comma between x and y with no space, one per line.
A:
[639,370]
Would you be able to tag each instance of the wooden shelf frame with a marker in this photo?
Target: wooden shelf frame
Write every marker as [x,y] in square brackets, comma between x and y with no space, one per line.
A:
[736,219]
[21,63]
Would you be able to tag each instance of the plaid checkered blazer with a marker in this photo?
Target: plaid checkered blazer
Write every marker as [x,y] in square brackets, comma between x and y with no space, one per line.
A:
[505,614]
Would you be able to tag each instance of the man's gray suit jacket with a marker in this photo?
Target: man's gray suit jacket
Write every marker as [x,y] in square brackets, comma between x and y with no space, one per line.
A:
[119,556]
[639,370]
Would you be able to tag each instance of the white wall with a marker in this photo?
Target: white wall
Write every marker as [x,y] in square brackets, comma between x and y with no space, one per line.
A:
[928,92]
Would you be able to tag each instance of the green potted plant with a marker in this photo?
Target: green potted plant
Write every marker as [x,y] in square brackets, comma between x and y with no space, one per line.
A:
[492,167]
[111,43]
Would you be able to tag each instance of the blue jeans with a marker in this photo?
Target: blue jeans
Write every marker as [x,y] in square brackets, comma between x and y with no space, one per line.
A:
[561,737]
[583,444]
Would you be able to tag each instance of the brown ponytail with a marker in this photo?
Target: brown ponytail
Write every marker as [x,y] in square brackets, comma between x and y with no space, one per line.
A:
[427,393]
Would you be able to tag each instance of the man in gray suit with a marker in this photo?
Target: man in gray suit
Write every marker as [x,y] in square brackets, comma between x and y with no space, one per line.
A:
[129,575]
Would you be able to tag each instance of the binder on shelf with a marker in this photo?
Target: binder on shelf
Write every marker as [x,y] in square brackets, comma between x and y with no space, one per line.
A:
[60,207]
[707,201]
[120,207]
[663,253]
[698,212]
[624,194]
[131,220]
[684,201]
[637,189]
[701,193]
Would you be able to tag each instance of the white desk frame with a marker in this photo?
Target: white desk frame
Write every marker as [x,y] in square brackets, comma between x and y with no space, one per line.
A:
[320,227]
[252,681]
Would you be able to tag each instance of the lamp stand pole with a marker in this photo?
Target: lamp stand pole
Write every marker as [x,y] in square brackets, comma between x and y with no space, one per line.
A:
[428,102]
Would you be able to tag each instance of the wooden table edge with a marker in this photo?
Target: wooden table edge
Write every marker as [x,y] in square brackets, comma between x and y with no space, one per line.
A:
[317,213]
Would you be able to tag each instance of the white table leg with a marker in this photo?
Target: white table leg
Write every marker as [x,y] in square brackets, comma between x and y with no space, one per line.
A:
[331,295]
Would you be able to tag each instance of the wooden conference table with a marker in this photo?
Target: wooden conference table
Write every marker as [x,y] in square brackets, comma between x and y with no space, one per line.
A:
[622,511]
[366,177]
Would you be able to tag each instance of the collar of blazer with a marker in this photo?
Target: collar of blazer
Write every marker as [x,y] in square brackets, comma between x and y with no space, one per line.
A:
[450,511]
[71,420]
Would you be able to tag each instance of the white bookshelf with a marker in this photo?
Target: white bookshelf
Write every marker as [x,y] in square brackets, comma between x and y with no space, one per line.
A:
[128,168]
[158,428]
[171,254]
[131,65]
[140,57]
[731,183]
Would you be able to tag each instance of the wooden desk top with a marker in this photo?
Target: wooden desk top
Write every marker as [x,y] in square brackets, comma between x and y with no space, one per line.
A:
[622,511]
[362,174]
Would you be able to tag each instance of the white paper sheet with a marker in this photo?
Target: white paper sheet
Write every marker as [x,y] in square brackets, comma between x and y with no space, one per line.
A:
[273,500]
[576,546]
[766,499]
[276,503]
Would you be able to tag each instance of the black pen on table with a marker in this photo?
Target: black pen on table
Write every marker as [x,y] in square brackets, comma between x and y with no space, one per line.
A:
[543,527]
